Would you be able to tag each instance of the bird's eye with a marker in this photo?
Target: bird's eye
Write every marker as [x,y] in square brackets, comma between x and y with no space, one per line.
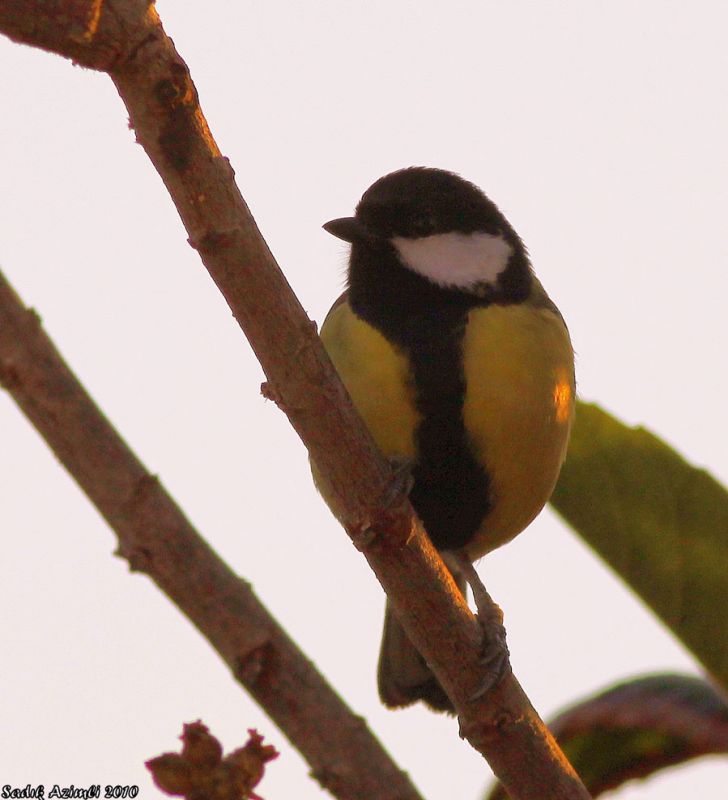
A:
[423,224]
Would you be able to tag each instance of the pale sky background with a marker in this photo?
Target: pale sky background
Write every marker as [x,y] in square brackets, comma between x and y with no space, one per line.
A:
[599,128]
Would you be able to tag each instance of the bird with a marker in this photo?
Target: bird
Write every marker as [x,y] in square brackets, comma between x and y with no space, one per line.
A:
[462,369]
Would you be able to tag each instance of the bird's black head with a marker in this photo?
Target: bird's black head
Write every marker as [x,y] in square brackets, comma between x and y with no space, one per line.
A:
[422,201]
[439,228]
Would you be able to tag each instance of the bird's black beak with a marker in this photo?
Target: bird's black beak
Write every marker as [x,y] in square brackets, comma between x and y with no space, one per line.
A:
[350,229]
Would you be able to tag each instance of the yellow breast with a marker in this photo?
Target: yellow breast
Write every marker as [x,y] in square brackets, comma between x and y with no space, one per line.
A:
[517,411]
[519,404]
[376,376]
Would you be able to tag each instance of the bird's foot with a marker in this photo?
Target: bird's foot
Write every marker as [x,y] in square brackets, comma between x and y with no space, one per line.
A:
[402,480]
[495,657]
[395,495]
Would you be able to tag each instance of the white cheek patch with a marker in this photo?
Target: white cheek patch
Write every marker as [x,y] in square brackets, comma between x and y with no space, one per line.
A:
[455,259]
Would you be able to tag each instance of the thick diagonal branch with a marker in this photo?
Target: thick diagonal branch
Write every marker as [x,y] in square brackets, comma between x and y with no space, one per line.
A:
[126,40]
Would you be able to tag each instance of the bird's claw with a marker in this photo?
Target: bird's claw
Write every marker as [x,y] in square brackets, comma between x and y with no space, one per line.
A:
[494,657]
[402,481]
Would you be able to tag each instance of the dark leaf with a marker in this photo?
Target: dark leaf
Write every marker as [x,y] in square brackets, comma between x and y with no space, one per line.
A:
[659,522]
[637,728]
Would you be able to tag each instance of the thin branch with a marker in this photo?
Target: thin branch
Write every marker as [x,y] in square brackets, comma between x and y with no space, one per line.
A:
[128,42]
[156,538]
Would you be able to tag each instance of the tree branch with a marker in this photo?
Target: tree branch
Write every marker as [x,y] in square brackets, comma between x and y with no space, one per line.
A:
[127,40]
[156,538]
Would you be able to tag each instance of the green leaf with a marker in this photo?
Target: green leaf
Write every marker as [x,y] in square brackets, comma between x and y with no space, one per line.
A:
[659,522]
[637,728]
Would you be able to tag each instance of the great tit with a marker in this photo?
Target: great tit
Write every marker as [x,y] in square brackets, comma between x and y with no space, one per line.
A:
[459,364]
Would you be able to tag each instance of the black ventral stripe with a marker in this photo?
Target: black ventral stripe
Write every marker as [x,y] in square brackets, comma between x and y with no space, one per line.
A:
[451,492]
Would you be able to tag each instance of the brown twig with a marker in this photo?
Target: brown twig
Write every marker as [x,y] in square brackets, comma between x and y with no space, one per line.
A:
[156,538]
[126,40]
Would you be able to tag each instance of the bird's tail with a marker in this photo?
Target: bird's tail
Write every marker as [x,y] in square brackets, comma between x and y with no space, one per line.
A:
[403,675]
